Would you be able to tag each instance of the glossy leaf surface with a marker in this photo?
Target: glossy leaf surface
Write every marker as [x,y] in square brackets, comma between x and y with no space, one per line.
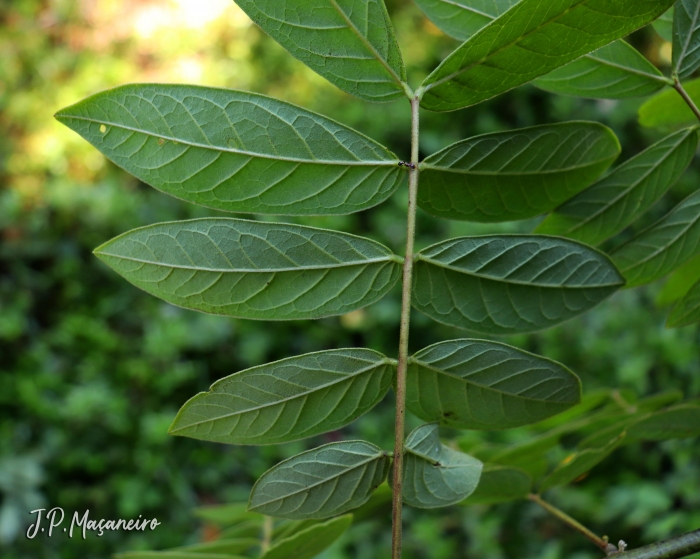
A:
[687,311]
[578,464]
[478,384]
[686,37]
[507,176]
[666,245]
[607,207]
[462,18]
[511,283]
[322,482]
[250,269]
[500,484]
[518,46]
[668,109]
[436,475]
[615,71]
[351,43]
[289,399]
[308,543]
[236,151]
[679,422]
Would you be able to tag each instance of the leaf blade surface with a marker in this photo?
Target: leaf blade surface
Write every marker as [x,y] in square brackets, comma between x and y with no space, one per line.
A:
[235,151]
[462,18]
[321,483]
[607,207]
[615,71]
[477,384]
[507,176]
[686,38]
[687,310]
[517,47]
[351,43]
[664,246]
[500,484]
[501,284]
[248,269]
[308,543]
[289,399]
[436,475]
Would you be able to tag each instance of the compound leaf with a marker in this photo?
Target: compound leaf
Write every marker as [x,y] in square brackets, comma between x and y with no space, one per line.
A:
[686,38]
[668,109]
[289,399]
[615,71]
[308,543]
[236,151]
[514,175]
[477,384]
[661,248]
[530,40]
[578,464]
[500,484]
[249,269]
[607,207]
[664,25]
[436,475]
[462,18]
[322,482]
[680,422]
[687,311]
[351,43]
[503,284]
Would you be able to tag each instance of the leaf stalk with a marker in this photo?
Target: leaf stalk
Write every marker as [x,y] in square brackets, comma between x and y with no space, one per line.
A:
[399,431]
[684,94]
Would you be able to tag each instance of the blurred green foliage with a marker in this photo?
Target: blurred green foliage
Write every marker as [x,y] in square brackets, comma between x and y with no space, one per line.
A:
[92,371]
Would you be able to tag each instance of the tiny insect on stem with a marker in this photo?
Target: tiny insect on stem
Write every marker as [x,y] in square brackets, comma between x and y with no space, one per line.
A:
[411,166]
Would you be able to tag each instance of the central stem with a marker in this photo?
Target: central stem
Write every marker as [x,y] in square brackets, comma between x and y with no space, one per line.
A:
[396,527]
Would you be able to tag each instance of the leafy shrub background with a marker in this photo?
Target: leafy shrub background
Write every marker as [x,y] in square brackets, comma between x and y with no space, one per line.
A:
[92,370]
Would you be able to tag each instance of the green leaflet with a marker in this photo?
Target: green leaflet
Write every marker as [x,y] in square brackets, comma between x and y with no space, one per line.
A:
[578,464]
[500,484]
[517,47]
[661,248]
[236,151]
[256,270]
[289,399]
[607,207]
[503,284]
[462,18]
[667,109]
[514,175]
[679,283]
[664,25]
[686,38]
[679,422]
[242,530]
[308,543]
[687,311]
[351,43]
[435,475]
[228,515]
[322,482]
[477,384]
[615,71]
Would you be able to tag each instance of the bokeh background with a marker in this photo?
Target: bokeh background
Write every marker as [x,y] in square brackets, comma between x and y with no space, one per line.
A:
[92,370]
